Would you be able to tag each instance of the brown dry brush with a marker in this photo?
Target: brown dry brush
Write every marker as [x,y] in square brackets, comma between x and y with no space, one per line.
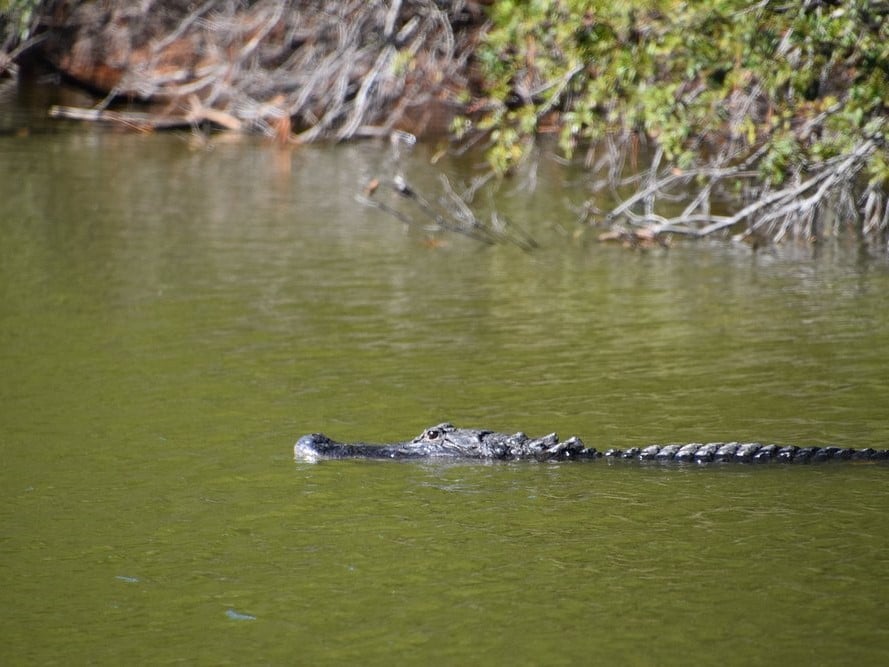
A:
[312,69]
[301,71]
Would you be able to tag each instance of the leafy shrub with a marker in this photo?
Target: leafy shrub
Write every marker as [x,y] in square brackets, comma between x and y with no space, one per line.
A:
[783,88]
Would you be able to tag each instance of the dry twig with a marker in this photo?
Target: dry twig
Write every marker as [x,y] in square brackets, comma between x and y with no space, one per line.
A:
[335,70]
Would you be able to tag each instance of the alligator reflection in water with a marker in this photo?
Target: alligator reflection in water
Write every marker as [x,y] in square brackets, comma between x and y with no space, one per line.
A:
[448,441]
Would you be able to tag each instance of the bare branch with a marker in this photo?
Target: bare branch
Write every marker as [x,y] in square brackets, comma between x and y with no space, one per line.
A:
[335,69]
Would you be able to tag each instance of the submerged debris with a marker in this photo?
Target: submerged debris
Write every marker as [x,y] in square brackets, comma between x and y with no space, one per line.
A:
[451,212]
[238,616]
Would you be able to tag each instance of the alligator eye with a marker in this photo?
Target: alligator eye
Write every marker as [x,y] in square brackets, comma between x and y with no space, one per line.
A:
[433,434]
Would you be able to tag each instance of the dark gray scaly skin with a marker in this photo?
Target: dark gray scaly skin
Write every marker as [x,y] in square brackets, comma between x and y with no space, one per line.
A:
[448,442]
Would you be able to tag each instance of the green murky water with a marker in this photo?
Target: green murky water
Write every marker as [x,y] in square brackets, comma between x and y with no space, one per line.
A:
[173,317]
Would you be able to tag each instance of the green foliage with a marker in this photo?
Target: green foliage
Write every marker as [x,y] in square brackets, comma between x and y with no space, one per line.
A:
[16,17]
[800,82]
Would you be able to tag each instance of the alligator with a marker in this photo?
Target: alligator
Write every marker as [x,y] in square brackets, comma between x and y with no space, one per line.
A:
[446,441]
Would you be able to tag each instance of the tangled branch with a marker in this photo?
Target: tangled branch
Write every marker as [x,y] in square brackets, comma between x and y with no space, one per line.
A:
[797,209]
[311,68]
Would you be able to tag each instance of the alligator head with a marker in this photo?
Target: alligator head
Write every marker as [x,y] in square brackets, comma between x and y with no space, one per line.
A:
[447,441]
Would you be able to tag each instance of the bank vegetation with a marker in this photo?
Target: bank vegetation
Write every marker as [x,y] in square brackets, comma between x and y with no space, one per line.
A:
[763,120]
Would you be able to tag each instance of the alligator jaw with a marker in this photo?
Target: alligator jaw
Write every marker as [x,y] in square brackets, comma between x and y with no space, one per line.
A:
[317,446]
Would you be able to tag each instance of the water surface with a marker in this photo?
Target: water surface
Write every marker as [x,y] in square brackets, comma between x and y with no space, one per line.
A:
[174,314]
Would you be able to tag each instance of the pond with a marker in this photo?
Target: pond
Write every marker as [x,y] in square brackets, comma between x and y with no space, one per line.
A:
[175,313]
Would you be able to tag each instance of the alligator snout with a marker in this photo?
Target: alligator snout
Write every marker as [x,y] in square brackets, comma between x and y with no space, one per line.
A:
[311,447]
